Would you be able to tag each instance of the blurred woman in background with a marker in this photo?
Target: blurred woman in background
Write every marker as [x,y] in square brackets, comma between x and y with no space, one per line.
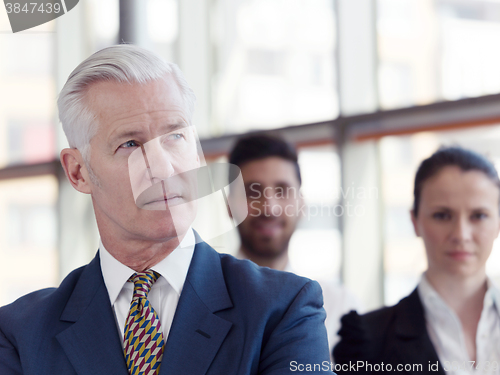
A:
[450,322]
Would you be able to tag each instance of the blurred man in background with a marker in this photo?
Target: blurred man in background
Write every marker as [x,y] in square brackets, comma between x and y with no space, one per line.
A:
[271,173]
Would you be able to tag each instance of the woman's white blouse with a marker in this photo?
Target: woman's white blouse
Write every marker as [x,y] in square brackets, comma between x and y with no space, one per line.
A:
[447,336]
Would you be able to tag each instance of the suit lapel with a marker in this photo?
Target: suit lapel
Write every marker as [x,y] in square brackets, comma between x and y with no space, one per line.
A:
[411,329]
[197,333]
[92,342]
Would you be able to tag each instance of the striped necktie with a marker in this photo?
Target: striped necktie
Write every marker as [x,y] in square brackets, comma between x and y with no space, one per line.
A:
[143,339]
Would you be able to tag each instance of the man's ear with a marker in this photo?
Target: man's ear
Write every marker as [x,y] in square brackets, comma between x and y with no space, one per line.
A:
[415,224]
[75,169]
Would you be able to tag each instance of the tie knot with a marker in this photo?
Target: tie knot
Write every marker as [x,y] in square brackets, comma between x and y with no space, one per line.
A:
[143,281]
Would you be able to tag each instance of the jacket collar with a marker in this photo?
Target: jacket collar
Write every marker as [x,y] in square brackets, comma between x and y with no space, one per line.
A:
[197,332]
[414,346]
[92,342]
[410,318]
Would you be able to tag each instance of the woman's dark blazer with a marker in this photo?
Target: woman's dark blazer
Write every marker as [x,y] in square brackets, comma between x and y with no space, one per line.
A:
[392,335]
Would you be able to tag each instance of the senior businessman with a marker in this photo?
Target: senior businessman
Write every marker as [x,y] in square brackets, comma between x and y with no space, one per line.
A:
[156,299]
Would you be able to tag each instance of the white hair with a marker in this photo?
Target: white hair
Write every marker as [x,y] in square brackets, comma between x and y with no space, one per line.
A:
[124,63]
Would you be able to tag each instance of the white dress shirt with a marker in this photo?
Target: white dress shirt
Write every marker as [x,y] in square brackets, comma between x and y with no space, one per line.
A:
[447,336]
[164,294]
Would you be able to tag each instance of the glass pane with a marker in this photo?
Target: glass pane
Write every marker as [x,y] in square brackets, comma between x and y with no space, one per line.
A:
[315,248]
[27,96]
[163,27]
[274,63]
[434,50]
[404,257]
[158,25]
[102,22]
[28,236]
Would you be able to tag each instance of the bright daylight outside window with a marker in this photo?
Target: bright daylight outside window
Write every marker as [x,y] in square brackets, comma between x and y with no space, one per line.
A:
[27,136]
[274,63]
[315,248]
[434,50]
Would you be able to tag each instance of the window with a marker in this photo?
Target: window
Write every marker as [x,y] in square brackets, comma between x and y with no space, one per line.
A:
[28,236]
[28,223]
[437,50]
[274,63]
[27,98]
[315,247]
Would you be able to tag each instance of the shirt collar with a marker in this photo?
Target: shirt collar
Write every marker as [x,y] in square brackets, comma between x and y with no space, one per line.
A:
[492,296]
[173,268]
[427,292]
[430,298]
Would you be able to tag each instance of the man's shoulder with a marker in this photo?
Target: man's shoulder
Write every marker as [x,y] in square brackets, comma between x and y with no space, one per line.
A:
[256,277]
[268,288]
[267,310]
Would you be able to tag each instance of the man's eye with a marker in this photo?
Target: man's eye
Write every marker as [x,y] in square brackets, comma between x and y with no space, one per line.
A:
[175,137]
[129,144]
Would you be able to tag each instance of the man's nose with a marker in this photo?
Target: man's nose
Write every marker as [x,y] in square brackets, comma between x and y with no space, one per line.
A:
[159,160]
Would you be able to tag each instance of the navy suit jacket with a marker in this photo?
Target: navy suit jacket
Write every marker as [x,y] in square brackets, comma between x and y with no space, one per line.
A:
[395,335]
[233,317]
